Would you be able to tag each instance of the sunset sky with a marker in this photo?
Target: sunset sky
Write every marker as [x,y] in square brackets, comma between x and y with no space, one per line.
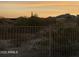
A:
[43,9]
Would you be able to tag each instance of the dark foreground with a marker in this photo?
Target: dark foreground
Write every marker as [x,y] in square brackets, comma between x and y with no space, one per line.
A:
[40,37]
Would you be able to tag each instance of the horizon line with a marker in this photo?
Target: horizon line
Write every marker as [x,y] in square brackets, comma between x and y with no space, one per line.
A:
[39,16]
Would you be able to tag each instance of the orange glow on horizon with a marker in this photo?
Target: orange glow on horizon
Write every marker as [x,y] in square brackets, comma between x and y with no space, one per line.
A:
[43,9]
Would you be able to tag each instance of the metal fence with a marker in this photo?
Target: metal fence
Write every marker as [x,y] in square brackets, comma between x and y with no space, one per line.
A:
[42,39]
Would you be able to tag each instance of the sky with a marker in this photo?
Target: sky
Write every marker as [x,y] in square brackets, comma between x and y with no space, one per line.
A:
[43,9]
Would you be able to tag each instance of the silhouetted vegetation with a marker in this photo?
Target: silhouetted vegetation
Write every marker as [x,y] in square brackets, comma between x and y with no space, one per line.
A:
[36,36]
